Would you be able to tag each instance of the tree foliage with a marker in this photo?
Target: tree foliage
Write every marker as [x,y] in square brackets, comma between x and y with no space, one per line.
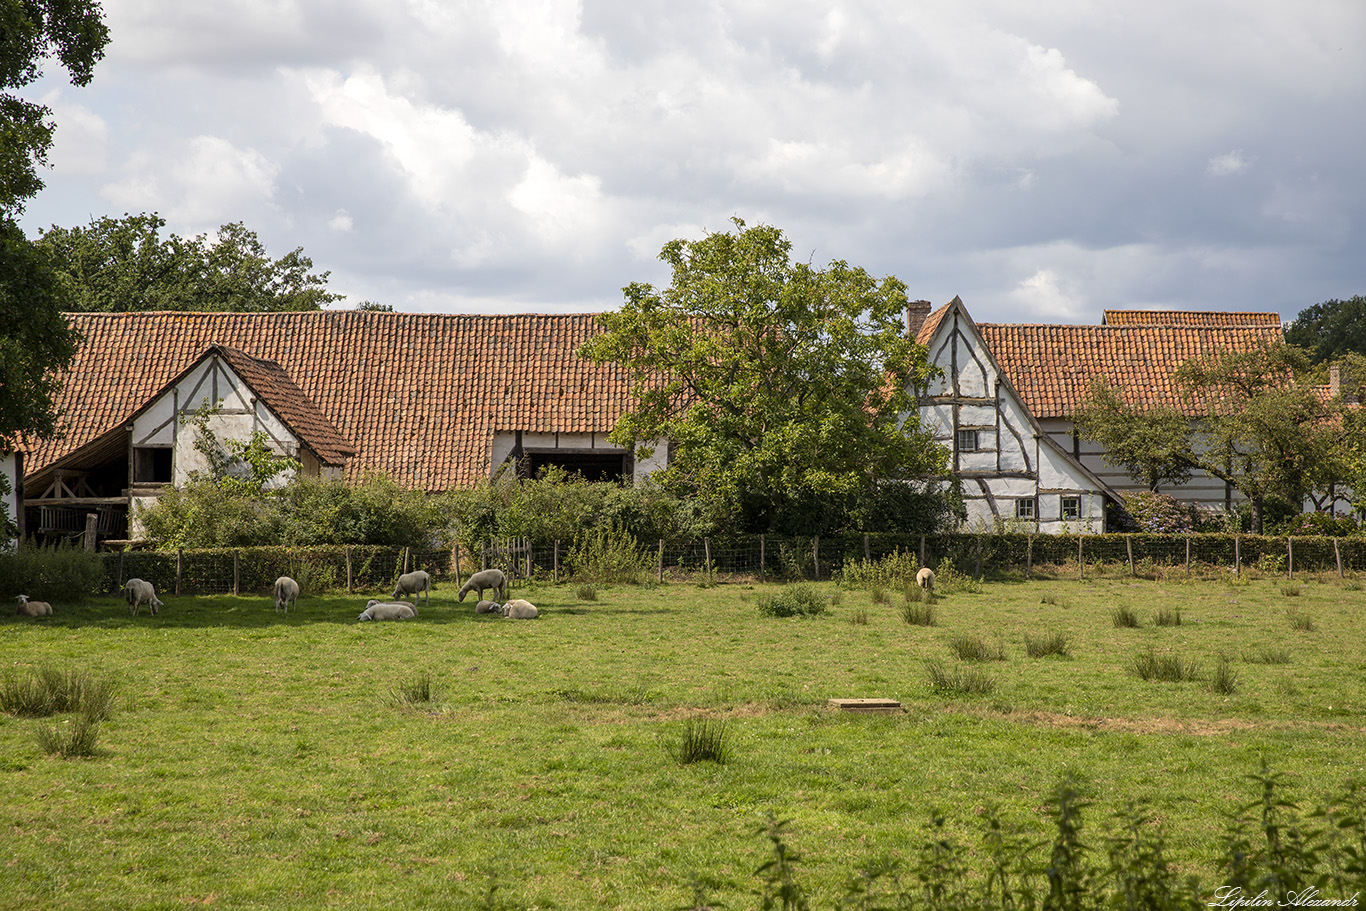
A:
[784,391]
[1248,418]
[36,341]
[1331,329]
[31,33]
[117,265]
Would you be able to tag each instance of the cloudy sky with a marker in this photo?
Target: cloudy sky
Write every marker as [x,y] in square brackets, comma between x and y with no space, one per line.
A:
[1044,160]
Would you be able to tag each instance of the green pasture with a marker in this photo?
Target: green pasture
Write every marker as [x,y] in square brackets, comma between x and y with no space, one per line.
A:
[256,760]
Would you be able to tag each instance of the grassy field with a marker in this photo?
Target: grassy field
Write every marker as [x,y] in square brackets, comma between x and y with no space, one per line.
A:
[255,760]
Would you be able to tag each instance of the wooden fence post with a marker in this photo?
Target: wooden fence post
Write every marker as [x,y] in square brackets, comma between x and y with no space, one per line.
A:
[706,550]
[1337,554]
[1081,559]
[92,530]
[661,561]
[1188,555]
[1237,556]
[122,552]
[922,551]
[816,555]
[1290,558]
[1129,545]
[528,558]
[407,559]
[557,561]
[1029,555]
[762,555]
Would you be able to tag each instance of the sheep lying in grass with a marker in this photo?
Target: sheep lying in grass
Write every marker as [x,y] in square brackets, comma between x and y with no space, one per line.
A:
[137,592]
[520,610]
[388,610]
[489,578]
[414,583]
[925,579]
[487,607]
[286,593]
[29,608]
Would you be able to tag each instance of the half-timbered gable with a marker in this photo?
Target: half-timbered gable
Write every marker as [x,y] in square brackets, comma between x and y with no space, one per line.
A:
[1011,470]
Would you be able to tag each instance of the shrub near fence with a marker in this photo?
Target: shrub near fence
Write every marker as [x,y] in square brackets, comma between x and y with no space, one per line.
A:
[757,557]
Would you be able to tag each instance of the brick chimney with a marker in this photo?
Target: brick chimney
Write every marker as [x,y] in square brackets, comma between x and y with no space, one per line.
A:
[916,312]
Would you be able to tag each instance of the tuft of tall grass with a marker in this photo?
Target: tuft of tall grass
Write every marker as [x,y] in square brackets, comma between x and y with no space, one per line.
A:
[71,738]
[1224,681]
[1167,667]
[1300,621]
[1267,655]
[960,679]
[878,594]
[1167,616]
[859,617]
[1124,617]
[1046,644]
[918,613]
[975,648]
[586,592]
[703,740]
[417,690]
[798,600]
[48,691]
[1055,600]
[1291,589]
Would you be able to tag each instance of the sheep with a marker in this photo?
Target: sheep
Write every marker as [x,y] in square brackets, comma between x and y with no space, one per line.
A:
[925,579]
[489,578]
[388,610]
[286,593]
[136,591]
[487,607]
[29,608]
[414,583]
[520,610]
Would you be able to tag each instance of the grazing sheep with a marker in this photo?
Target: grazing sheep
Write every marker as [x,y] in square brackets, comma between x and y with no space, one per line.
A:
[137,591]
[925,579]
[520,610]
[29,608]
[414,583]
[388,610]
[489,578]
[286,593]
[487,607]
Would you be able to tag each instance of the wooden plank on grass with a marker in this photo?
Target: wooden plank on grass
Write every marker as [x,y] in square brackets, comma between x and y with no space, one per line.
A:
[869,706]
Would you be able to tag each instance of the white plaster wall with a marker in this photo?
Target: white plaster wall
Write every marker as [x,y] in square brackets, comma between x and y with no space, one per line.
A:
[658,460]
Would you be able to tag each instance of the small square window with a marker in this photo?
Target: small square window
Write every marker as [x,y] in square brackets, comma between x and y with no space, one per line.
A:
[1024,508]
[1071,509]
[967,441]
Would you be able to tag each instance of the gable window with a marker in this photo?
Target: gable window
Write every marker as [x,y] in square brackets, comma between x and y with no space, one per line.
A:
[1071,509]
[152,465]
[967,441]
[1024,508]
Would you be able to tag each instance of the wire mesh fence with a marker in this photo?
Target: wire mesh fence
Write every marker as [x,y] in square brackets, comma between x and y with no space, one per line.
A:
[759,558]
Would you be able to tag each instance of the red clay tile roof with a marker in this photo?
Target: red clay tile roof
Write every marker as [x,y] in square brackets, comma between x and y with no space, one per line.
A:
[289,403]
[1191,318]
[931,324]
[1051,366]
[419,395]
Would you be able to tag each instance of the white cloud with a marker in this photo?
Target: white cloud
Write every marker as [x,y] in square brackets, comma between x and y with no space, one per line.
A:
[1228,164]
[341,221]
[1048,294]
[203,182]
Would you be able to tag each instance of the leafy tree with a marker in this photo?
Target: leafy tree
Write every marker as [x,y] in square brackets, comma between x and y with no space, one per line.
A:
[1330,329]
[784,390]
[118,265]
[36,342]
[32,32]
[1247,420]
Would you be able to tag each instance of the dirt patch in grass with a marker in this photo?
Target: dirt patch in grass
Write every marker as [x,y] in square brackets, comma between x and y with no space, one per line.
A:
[1202,727]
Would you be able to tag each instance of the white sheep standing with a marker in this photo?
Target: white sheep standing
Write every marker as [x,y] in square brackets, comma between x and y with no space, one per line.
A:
[489,578]
[286,593]
[388,610]
[414,583]
[29,608]
[925,579]
[139,591]
[487,607]
[520,610]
